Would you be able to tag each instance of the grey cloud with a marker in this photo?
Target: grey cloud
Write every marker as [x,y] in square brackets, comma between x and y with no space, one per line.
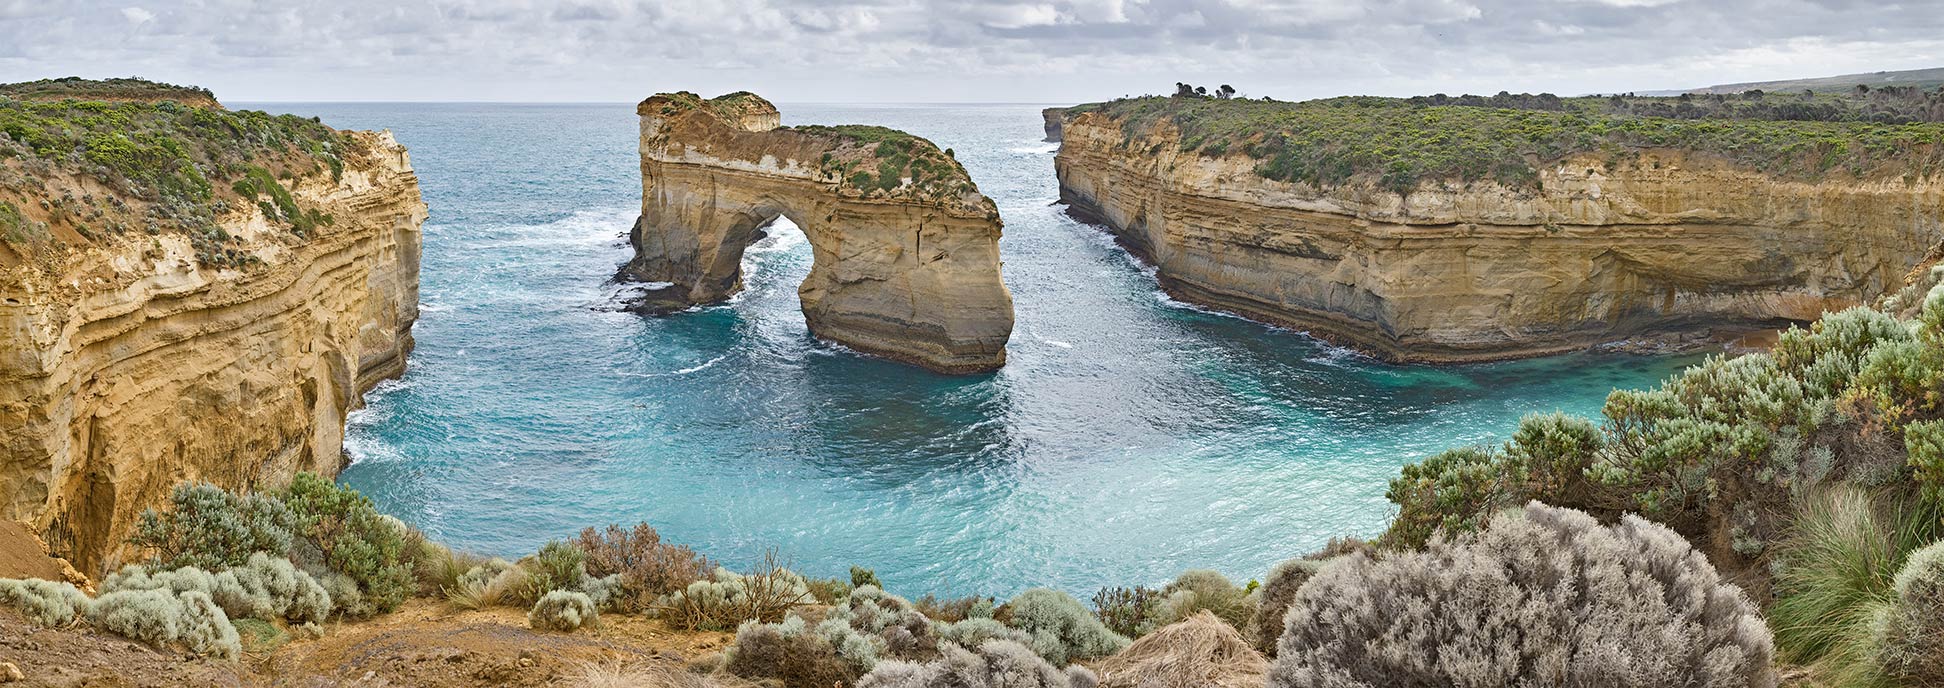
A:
[945,50]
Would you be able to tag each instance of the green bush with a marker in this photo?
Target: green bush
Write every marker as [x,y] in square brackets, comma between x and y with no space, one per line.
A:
[798,656]
[208,527]
[860,577]
[45,602]
[562,610]
[1924,443]
[557,566]
[1203,590]
[344,532]
[1063,630]
[1132,612]
[1455,491]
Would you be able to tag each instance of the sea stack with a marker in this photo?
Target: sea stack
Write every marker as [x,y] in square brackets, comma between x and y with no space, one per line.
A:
[905,248]
[205,302]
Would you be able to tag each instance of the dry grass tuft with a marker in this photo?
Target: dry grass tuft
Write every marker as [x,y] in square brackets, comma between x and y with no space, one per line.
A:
[1199,652]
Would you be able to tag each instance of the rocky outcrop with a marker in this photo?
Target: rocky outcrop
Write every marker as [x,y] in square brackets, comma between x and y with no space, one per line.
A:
[131,361]
[1052,117]
[906,250]
[1606,249]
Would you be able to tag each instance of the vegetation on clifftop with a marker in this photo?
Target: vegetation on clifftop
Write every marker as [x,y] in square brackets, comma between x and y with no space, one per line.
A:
[893,158]
[161,167]
[122,89]
[1400,143]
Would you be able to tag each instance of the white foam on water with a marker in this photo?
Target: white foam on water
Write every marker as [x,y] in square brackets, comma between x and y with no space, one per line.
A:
[1041,149]
[1055,342]
[702,367]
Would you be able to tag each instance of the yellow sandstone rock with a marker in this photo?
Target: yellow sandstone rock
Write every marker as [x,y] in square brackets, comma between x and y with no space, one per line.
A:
[906,250]
[127,366]
[1666,242]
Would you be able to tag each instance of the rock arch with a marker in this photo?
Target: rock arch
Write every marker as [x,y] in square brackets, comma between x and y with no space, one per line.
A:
[906,250]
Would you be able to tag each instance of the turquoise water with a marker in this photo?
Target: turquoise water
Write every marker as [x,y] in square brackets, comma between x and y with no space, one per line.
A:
[1128,438]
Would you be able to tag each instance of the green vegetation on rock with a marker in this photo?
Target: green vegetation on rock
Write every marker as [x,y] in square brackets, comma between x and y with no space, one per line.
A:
[170,166]
[1400,144]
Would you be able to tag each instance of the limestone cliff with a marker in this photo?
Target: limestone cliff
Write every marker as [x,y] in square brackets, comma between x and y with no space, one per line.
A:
[1594,246]
[1052,117]
[905,248]
[208,306]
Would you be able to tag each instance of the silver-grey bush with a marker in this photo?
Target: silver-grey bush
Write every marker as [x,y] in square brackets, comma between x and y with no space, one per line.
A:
[1546,597]
[995,664]
[47,603]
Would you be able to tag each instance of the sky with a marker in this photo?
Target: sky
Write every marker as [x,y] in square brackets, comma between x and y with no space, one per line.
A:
[1054,51]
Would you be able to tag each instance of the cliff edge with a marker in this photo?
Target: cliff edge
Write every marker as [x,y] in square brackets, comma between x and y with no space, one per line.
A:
[1421,232]
[906,249]
[186,293]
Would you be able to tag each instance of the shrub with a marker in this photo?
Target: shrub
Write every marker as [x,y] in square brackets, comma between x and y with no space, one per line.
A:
[489,584]
[1924,444]
[557,566]
[894,622]
[1285,579]
[347,599]
[44,602]
[860,577]
[1454,491]
[1128,611]
[274,588]
[1835,578]
[728,599]
[649,568]
[162,618]
[1203,590]
[265,588]
[792,653]
[210,528]
[977,631]
[347,534]
[953,610]
[1200,651]
[1063,629]
[436,567]
[1576,603]
[995,664]
[1909,634]
[562,610]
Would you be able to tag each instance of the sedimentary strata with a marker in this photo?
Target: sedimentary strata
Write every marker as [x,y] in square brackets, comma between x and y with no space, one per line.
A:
[1592,247]
[906,249]
[207,316]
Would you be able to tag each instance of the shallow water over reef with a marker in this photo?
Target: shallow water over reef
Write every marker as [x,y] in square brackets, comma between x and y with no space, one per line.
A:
[1128,438]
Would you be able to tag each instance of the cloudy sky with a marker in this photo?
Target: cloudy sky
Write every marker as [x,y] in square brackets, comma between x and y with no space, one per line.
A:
[939,50]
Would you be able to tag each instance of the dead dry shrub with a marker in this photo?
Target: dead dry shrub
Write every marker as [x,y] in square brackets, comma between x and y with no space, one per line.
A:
[649,568]
[1199,652]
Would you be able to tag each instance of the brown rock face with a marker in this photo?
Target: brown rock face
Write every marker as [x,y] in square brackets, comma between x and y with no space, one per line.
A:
[1053,116]
[1665,243]
[127,367]
[906,250]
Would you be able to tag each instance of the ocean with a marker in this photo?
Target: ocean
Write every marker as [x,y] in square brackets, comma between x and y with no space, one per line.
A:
[1128,438]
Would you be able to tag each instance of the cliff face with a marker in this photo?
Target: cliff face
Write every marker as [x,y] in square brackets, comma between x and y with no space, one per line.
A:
[1604,250]
[1053,116]
[131,361]
[906,250]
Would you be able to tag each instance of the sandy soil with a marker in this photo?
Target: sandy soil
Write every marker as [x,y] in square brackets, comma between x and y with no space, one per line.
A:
[424,644]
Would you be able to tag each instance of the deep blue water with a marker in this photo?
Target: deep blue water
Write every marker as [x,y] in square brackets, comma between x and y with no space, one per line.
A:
[1128,438]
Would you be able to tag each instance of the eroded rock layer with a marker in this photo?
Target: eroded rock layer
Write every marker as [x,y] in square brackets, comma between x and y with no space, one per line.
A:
[1660,241]
[906,250]
[132,361]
